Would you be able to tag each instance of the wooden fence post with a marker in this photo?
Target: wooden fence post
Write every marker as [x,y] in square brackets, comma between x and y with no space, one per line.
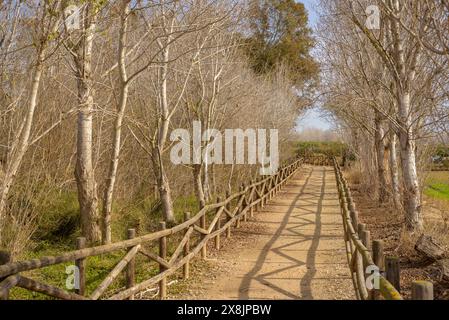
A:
[267,192]
[239,209]
[355,219]
[263,190]
[270,186]
[5,258]
[422,290]
[244,203]
[186,269]
[360,228]
[228,207]
[393,272]
[360,266]
[275,184]
[203,223]
[81,267]
[131,267]
[258,205]
[218,227]
[366,239]
[262,200]
[162,255]
[378,254]
[378,259]
[252,192]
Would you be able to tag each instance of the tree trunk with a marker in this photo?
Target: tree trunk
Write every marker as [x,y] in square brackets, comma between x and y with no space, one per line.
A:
[206,183]
[429,248]
[165,193]
[84,171]
[87,188]
[412,201]
[404,81]
[117,134]
[393,164]
[230,177]
[197,182]
[214,181]
[380,153]
[164,121]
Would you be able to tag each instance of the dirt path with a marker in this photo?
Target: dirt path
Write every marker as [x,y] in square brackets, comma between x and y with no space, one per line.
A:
[292,249]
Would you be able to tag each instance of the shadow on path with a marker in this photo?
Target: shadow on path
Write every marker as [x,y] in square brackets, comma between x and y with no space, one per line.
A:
[244,289]
[306,281]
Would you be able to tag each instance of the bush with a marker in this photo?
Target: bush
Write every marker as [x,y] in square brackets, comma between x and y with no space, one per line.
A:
[442,151]
[59,216]
[330,149]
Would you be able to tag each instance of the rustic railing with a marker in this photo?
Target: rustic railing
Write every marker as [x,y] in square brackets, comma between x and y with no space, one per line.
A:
[366,258]
[249,199]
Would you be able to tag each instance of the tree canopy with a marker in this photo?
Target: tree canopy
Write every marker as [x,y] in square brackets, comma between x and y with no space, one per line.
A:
[280,35]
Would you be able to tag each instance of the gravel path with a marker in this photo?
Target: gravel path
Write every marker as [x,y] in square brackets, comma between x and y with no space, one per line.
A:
[292,249]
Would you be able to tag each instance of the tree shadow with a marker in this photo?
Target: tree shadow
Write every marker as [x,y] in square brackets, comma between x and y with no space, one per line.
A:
[299,237]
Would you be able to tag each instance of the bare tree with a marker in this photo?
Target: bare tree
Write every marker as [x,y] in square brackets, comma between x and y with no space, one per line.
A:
[44,24]
[399,97]
[80,47]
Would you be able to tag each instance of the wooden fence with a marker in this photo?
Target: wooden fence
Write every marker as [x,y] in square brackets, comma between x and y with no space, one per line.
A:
[222,218]
[366,258]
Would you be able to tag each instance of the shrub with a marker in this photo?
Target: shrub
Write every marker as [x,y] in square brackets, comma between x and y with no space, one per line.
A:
[331,149]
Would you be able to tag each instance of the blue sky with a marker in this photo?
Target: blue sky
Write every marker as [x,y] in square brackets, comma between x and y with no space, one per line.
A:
[313,17]
[313,118]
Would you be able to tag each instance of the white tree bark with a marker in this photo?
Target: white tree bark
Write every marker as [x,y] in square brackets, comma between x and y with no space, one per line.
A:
[206,182]
[164,122]
[84,171]
[411,196]
[394,174]
[380,154]
[117,133]
[198,184]
[163,187]
[404,80]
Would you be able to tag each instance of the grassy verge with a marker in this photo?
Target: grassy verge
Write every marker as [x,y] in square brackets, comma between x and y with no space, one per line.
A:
[437,185]
[143,215]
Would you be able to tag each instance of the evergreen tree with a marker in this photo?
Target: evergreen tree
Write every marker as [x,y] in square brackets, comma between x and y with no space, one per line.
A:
[279,34]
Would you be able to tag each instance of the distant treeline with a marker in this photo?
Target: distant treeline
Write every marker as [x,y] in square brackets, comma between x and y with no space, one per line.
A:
[440,158]
[328,148]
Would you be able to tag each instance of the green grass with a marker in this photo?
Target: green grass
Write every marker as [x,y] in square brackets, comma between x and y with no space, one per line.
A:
[58,218]
[97,268]
[59,228]
[437,185]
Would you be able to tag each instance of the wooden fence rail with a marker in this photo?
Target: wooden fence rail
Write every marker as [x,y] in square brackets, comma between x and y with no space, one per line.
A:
[366,259]
[249,199]
[358,248]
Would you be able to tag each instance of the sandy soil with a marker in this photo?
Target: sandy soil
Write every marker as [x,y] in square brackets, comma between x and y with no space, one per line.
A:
[292,249]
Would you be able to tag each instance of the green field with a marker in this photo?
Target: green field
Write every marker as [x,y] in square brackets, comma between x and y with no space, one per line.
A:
[437,185]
